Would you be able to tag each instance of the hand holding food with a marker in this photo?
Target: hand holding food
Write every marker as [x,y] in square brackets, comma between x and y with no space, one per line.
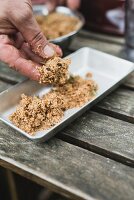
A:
[22,44]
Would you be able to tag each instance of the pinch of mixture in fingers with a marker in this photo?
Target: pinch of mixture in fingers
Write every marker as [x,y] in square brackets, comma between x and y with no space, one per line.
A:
[54,71]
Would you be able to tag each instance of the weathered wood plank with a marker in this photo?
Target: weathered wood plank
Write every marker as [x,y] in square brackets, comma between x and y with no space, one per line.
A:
[102,134]
[66,168]
[119,104]
[130,81]
[102,37]
[9,75]
[111,48]
[4,86]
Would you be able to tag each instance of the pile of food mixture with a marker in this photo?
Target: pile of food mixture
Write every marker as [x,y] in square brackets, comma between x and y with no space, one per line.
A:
[34,113]
[56,24]
[76,92]
[54,71]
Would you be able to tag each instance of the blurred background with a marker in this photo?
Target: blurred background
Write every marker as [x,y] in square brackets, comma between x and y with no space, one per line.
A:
[105,16]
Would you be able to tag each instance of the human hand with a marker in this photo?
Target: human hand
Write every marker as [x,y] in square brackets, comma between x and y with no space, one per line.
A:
[51,4]
[22,44]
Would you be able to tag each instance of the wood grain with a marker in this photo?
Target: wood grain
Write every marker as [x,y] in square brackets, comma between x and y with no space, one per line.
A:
[111,48]
[103,135]
[65,168]
[102,37]
[119,104]
[130,81]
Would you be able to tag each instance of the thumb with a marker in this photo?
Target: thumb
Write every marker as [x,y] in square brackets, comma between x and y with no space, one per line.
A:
[29,28]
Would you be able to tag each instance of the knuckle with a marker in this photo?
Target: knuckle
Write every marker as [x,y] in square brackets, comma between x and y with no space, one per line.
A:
[38,41]
[37,37]
[24,17]
[18,11]
[21,17]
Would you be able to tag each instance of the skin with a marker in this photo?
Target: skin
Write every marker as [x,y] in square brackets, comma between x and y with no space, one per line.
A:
[22,44]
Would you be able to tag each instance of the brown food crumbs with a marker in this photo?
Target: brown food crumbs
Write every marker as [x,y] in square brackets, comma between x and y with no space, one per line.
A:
[54,71]
[89,75]
[34,114]
[56,25]
[76,92]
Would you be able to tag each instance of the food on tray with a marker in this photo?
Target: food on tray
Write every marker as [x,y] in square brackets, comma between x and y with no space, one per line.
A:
[34,113]
[89,75]
[56,24]
[76,92]
[54,71]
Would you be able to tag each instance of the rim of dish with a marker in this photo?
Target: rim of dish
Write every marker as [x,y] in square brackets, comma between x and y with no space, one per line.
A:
[40,8]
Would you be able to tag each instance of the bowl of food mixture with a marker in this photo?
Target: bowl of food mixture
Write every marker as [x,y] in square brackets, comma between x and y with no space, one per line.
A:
[59,26]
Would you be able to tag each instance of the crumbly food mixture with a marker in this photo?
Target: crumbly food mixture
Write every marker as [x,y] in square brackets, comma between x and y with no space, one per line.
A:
[76,92]
[56,24]
[54,71]
[89,75]
[34,113]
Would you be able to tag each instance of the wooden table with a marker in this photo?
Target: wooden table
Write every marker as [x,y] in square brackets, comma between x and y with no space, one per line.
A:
[93,158]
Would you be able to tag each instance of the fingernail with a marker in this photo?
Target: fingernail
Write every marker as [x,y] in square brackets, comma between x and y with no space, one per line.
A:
[49,52]
[58,50]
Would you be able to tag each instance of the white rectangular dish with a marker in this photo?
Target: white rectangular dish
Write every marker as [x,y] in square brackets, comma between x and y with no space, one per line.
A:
[108,71]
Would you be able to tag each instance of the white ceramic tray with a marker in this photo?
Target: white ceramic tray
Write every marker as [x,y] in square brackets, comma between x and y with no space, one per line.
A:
[108,71]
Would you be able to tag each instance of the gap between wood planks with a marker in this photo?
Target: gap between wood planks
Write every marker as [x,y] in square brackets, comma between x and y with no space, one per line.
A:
[113,114]
[109,110]
[95,149]
[126,86]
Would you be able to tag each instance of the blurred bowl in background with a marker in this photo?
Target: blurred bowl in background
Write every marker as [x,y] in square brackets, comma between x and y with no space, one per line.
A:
[62,41]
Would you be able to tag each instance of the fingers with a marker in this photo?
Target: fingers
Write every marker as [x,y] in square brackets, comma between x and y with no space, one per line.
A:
[29,28]
[4,39]
[57,49]
[18,40]
[10,55]
[73,4]
[24,48]
[27,50]
[27,25]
